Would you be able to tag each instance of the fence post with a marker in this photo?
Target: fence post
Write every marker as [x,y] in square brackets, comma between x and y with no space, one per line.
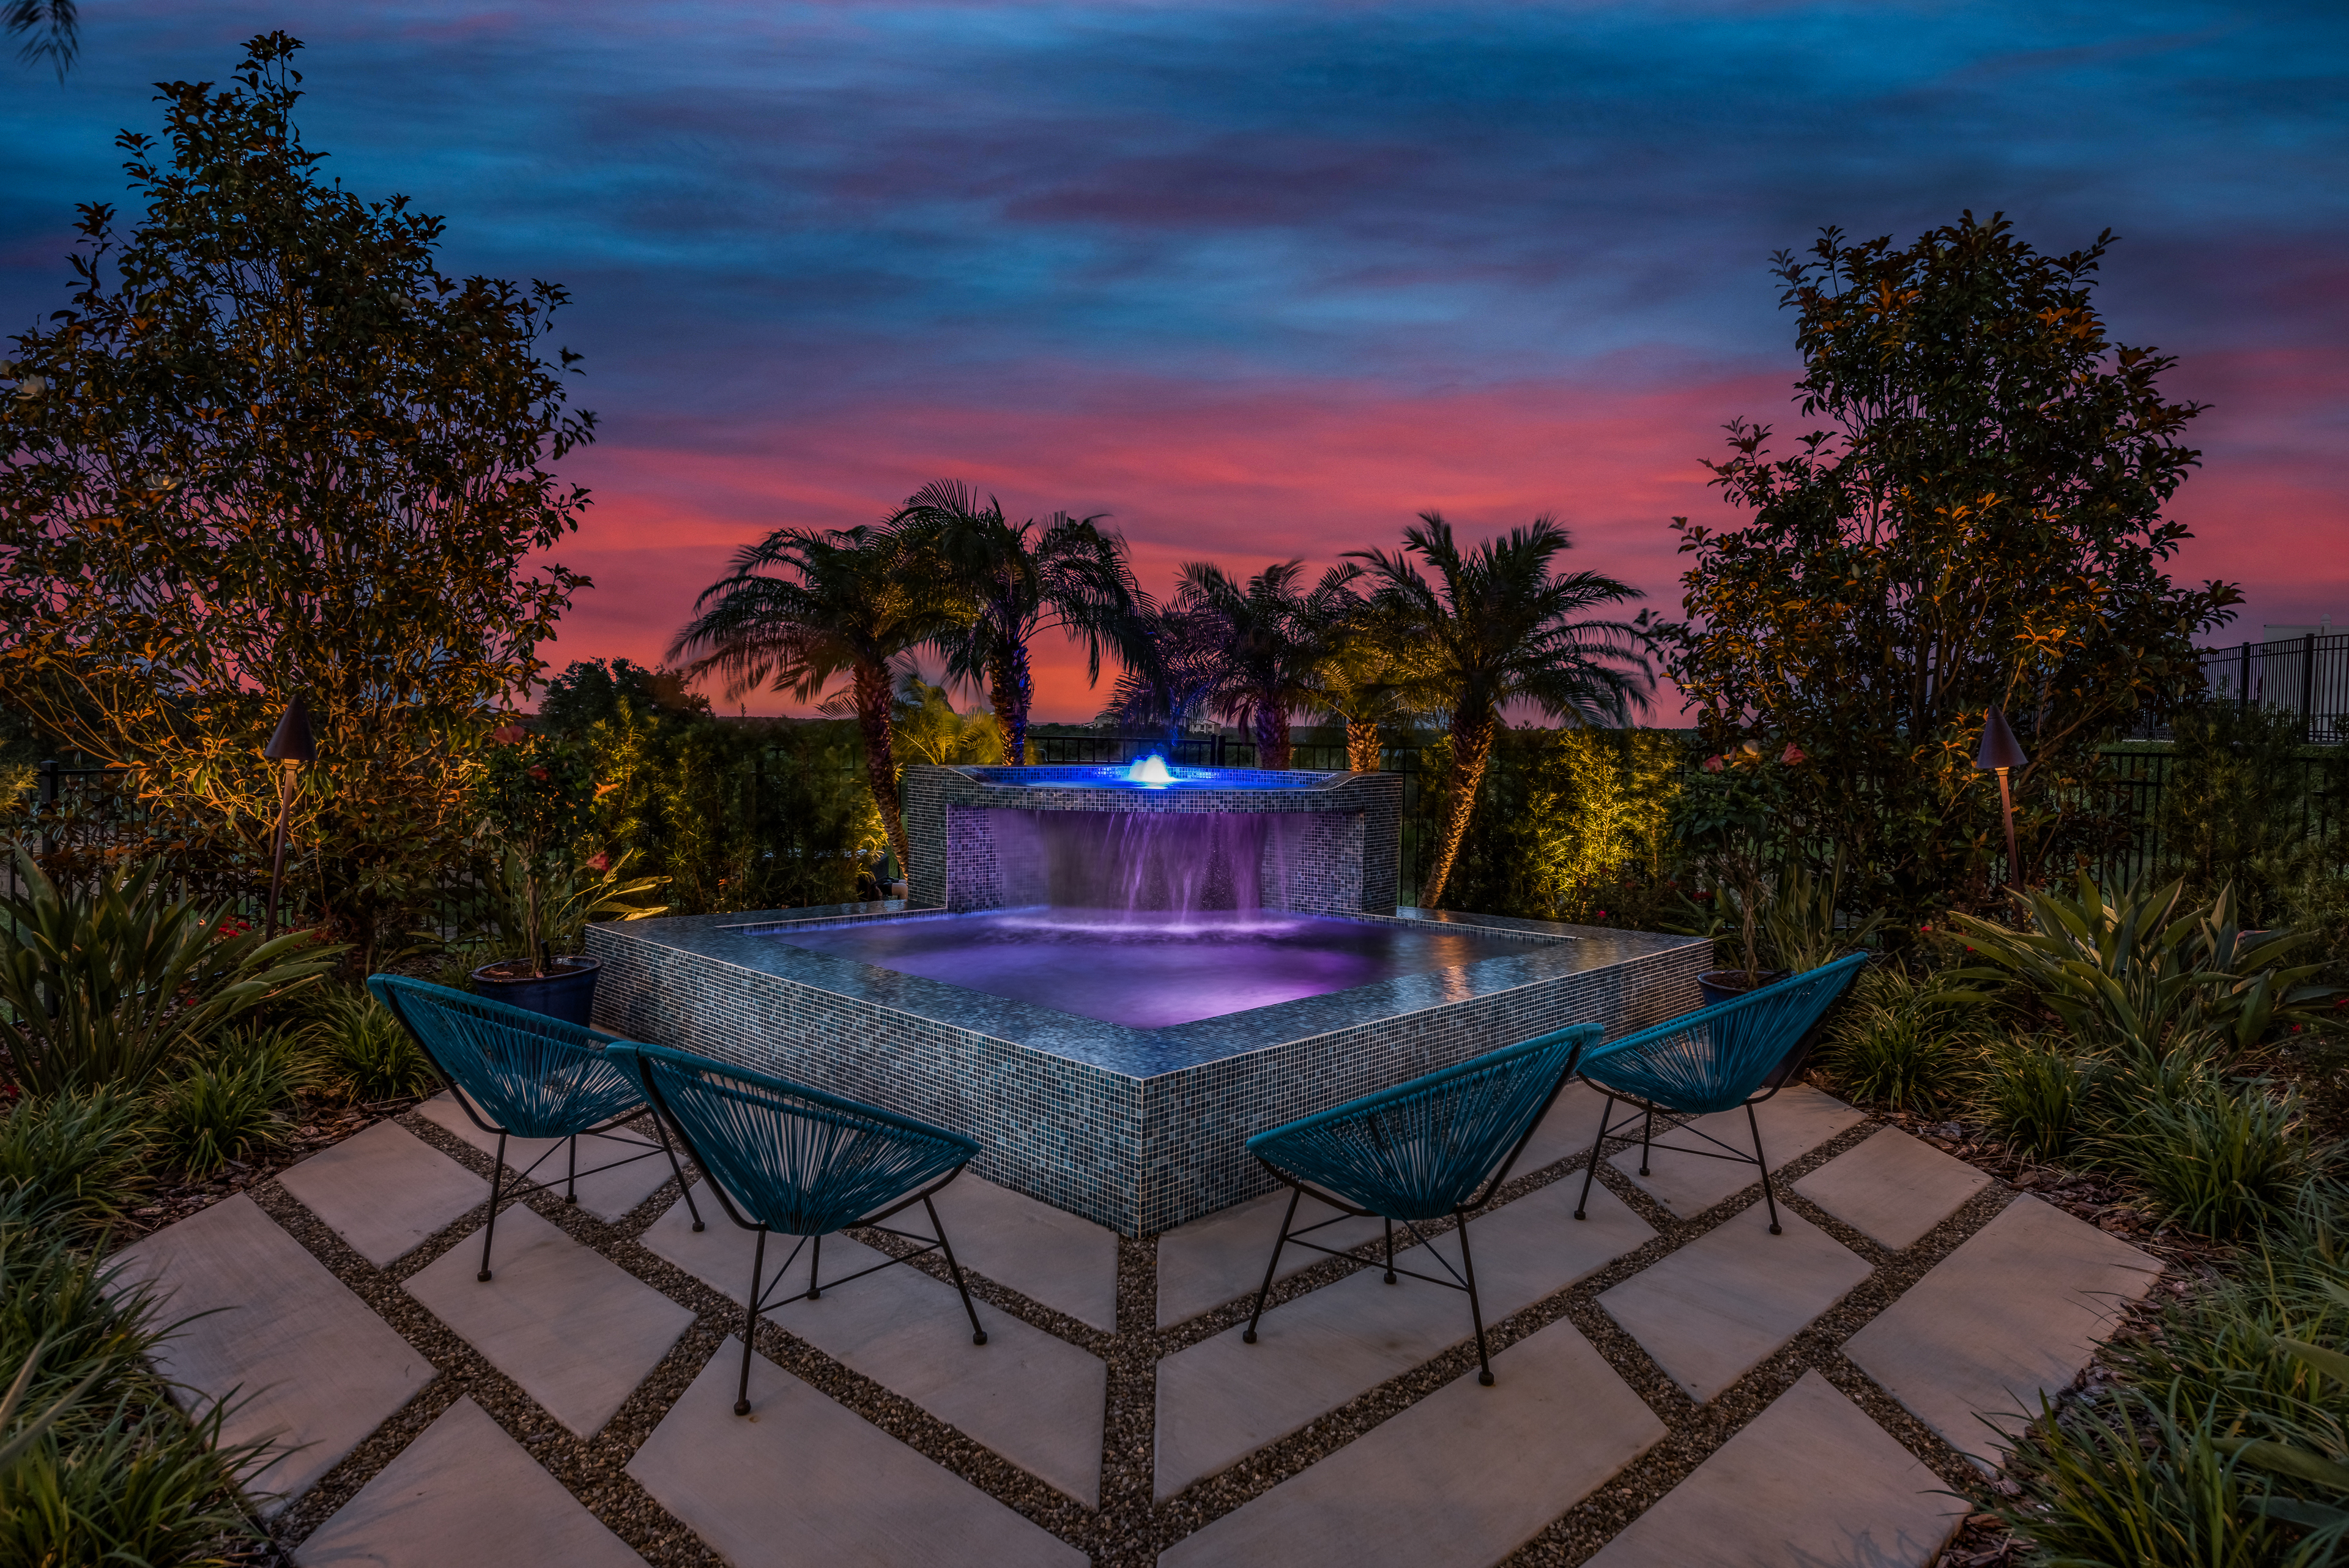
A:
[2243,697]
[2308,690]
[49,773]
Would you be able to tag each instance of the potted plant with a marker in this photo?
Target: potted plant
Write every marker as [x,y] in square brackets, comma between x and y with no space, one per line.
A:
[534,797]
[1730,812]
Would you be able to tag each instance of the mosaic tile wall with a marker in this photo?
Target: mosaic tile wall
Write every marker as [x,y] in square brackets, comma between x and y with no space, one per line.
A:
[1343,856]
[1195,1122]
[1139,1154]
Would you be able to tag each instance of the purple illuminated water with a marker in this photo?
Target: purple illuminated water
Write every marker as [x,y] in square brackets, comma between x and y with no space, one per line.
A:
[1150,969]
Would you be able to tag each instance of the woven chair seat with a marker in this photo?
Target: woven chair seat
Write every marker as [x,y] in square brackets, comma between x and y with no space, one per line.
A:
[795,1159]
[535,1077]
[1421,1149]
[1714,1058]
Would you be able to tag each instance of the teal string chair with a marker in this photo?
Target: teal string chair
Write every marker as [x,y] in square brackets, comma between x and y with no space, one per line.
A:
[785,1157]
[524,1075]
[1714,1059]
[1439,1145]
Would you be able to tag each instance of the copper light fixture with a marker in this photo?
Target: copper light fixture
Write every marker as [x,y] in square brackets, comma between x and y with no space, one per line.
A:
[2000,753]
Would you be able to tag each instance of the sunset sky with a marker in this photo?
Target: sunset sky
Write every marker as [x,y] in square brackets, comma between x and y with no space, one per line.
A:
[1264,280]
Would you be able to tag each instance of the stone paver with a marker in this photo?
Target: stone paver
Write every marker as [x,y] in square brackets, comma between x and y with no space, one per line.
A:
[1211,1260]
[1068,1263]
[1711,1311]
[2013,1312]
[1892,1188]
[1793,1122]
[1214,1259]
[608,1195]
[1565,1133]
[1222,1398]
[578,1331]
[1462,1477]
[1811,1483]
[802,1483]
[1033,1397]
[300,1359]
[384,1192]
[463,1491]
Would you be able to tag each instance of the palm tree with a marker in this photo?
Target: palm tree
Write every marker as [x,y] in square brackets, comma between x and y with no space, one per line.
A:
[804,607]
[57,18]
[1169,671]
[1070,577]
[1263,642]
[1359,683]
[1497,625]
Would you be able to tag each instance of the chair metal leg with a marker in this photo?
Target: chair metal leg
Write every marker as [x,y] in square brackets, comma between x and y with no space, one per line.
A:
[815,1262]
[570,1179]
[1769,1201]
[1391,1273]
[1475,1308]
[1647,1137]
[661,1132]
[750,1322]
[490,1230]
[1591,1169]
[977,1334]
[1266,1289]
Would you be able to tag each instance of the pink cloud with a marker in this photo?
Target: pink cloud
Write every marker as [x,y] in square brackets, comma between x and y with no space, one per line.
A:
[1314,469]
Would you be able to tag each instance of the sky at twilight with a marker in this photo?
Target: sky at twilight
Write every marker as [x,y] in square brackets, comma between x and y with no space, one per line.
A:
[1264,280]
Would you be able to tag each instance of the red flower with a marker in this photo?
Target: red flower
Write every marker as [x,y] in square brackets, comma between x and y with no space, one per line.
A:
[1712,764]
[1792,754]
[510,734]
[599,862]
[539,773]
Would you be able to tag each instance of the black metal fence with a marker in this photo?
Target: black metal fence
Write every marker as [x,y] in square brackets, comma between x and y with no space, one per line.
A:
[2307,675]
[2143,775]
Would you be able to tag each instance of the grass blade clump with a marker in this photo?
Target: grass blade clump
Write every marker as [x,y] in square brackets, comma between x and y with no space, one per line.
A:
[365,1055]
[2035,1094]
[101,1466]
[76,1161]
[1901,1043]
[2133,1482]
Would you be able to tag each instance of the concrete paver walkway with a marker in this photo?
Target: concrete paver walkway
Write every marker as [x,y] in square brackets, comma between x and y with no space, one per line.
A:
[881,1435]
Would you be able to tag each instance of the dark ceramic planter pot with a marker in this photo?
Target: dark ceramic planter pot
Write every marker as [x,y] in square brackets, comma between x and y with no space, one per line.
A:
[566,992]
[1721,985]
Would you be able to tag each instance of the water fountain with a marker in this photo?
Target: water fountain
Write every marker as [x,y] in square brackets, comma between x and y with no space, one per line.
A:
[1111,976]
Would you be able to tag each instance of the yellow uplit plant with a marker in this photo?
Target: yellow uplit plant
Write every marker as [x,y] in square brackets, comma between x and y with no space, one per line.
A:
[1601,803]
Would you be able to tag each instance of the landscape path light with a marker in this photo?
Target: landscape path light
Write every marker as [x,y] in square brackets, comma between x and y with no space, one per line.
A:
[2001,751]
[290,747]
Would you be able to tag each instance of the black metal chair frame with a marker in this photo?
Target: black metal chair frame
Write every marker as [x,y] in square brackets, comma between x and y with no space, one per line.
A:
[1789,1069]
[523,1185]
[756,1303]
[1463,1278]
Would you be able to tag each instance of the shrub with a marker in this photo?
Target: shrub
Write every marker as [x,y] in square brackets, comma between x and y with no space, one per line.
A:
[119,1476]
[1899,1043]
[220,1111]
[114,983]
[2135,1483]
[73,1160]
[2033,1094]
[2139,974]
[2220,1156]
[366,1056]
